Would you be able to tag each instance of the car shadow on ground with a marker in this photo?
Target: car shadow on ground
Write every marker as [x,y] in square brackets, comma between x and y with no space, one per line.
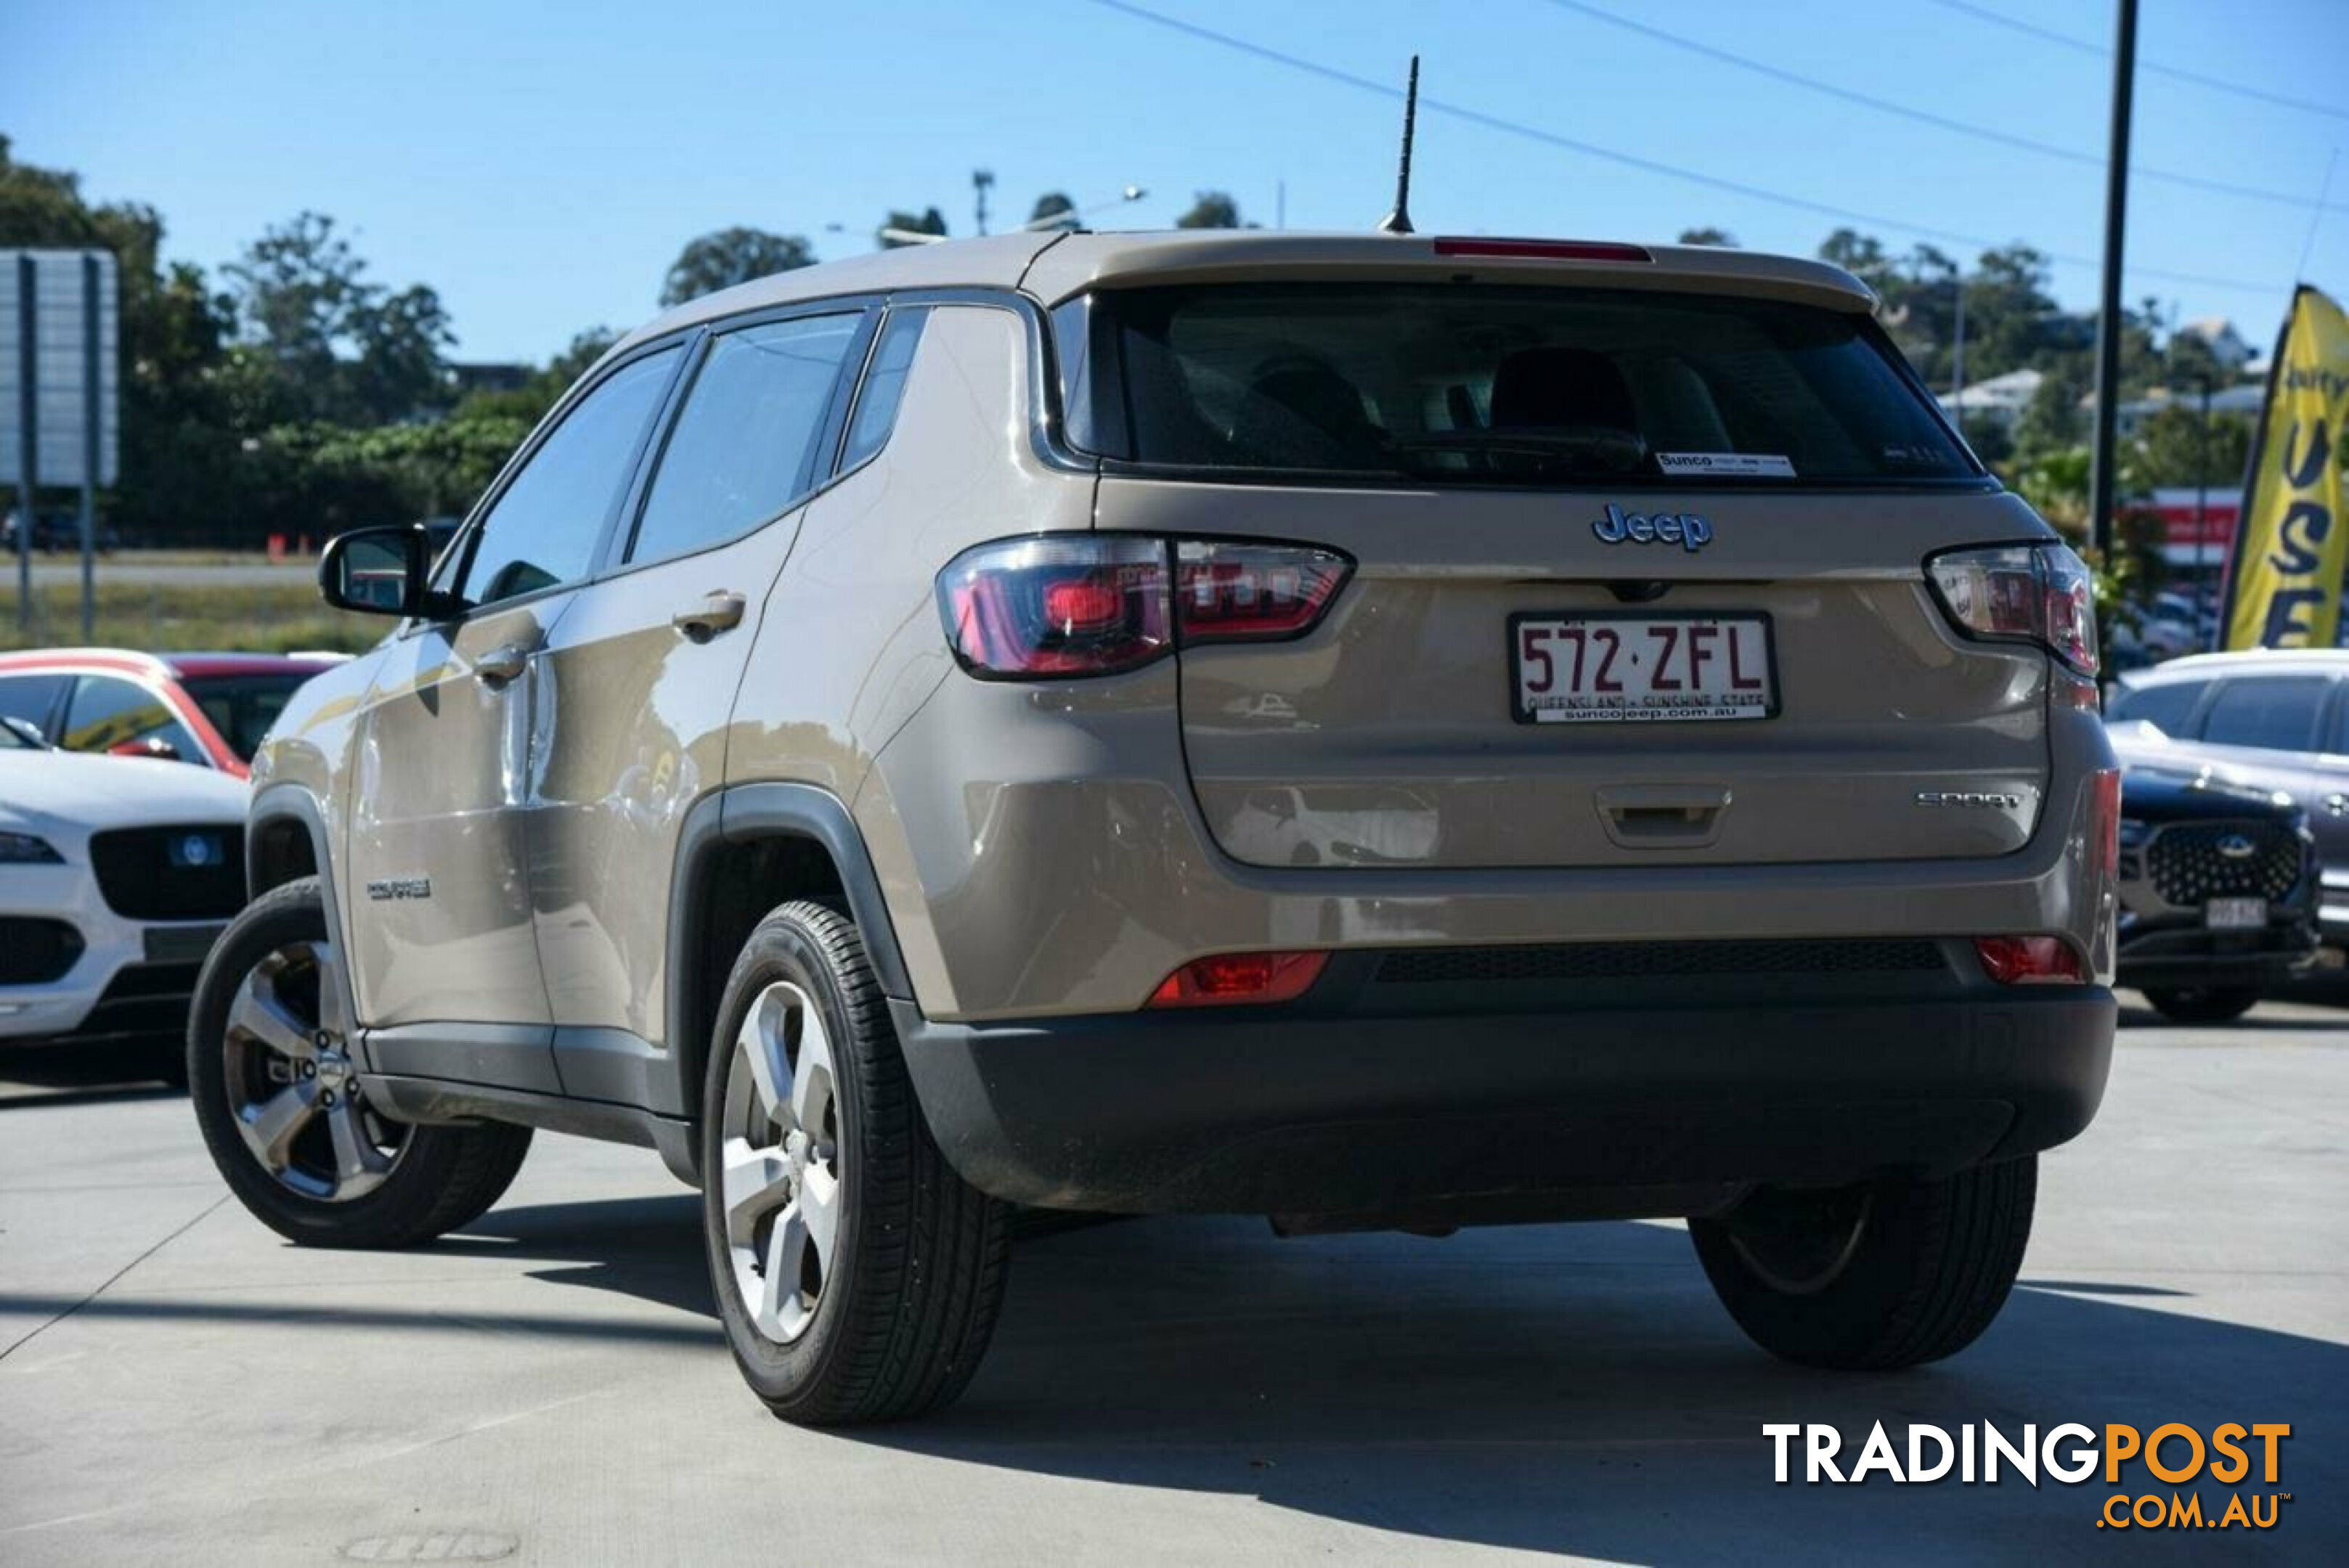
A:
[1567,1389]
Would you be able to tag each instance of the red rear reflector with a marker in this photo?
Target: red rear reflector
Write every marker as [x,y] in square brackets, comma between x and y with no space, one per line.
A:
[1546,250]
[1239,978]
[2104,821]
[2029,960]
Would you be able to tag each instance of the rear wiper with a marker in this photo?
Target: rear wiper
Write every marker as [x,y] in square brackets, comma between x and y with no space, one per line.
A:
[1618,450]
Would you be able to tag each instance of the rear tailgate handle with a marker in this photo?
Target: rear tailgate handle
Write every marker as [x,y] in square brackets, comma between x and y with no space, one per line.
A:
[1661,816]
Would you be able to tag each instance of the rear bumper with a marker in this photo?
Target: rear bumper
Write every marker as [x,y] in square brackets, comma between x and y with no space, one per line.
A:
[1269,1110]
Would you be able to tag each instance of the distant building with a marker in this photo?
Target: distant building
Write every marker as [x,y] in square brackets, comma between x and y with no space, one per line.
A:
[2227,345]
[1999,400]
[2244,399]
[488,376]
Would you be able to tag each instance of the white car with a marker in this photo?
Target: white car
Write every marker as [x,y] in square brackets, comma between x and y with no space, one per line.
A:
[116,874]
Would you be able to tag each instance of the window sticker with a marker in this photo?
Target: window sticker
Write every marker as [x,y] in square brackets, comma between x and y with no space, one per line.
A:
[1732,465]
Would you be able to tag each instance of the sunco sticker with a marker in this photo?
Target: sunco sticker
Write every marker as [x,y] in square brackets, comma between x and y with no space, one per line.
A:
[1734,465]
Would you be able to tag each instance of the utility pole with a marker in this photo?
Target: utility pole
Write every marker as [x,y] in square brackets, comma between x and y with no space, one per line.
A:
[980,178]
[2203,591]
[2102,482]
[1958,349]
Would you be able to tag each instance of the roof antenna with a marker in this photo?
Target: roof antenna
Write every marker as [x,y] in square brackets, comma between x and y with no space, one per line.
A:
[1399,220]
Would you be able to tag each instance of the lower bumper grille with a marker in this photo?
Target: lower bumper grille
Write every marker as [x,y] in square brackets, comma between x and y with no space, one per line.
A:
[35,950]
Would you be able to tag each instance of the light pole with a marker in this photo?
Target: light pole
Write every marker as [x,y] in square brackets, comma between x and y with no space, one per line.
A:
[2103,481]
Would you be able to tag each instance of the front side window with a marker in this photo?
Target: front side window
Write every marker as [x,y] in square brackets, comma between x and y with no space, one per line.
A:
[1496,384]
[107,713]
[2275,714]
[542,531]
[743,448]
[31,697]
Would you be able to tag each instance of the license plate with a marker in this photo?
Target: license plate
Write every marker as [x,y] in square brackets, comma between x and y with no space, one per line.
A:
[1617,668]
[2235,913]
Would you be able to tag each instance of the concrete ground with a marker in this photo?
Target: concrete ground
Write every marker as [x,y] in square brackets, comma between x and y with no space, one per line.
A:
[178,1385]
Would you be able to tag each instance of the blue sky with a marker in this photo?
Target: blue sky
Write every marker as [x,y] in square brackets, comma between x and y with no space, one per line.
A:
[541,164]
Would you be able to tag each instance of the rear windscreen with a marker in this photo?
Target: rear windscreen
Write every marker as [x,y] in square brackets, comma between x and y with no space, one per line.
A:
[1470,383]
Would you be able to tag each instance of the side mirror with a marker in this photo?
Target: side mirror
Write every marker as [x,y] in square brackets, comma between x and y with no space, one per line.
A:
[25,729]
[381,571]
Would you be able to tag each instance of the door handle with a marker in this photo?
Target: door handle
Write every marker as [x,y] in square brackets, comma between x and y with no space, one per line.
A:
[501,663]
[719,612]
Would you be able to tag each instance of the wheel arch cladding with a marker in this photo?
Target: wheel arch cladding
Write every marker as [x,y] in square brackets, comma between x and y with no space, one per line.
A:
[742,853]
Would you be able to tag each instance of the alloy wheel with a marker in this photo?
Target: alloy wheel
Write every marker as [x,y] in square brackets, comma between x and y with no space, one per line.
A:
[293,1084]
[780,1162]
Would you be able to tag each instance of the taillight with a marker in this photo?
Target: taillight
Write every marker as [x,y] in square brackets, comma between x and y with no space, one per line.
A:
[1062,605]
[1230,978]
[2039,593]
[1056,606]
[1227,592]
[2029,960]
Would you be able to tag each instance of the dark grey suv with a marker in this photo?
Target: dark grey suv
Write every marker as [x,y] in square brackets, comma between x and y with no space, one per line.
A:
[2276,718]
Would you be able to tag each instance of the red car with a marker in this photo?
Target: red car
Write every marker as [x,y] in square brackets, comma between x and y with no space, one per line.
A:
[208,708]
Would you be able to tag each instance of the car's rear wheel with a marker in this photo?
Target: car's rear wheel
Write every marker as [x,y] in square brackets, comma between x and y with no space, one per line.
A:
[1886,1273]
[2203,1003]
[274,1081]
[856,1274]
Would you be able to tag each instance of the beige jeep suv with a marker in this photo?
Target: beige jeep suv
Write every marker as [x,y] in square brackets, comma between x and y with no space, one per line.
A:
[1374,731]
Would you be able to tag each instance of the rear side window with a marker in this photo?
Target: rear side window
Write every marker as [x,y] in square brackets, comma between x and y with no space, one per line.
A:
[107,712]
[884,387]
[2167,707]
[242,708]
[2278,713]
[741,451]
[1472,383]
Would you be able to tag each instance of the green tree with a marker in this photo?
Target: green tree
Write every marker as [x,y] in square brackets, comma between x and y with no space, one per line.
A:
[1211,210]
[2052,422]
[2170,448]
[338,345]
[725,257]
[1709,236]
[1053,210]
[899,222]
[176,456]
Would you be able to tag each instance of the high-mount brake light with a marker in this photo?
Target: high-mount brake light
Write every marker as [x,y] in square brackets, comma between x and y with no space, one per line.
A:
[1058,607]
[1545,249]
[1230,979]
[2039,594]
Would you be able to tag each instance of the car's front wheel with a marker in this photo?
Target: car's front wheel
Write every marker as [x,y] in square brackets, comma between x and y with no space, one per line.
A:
[274,1081]
[1886,1273]
[856,1274]
[2203,1003]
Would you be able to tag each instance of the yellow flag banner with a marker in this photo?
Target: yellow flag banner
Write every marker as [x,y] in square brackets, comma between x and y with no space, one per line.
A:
[2284,581]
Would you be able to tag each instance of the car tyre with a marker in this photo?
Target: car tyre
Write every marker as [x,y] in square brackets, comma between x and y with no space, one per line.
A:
[2203,1003]
[857,1275]
[1887,1274]
[271,1076]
